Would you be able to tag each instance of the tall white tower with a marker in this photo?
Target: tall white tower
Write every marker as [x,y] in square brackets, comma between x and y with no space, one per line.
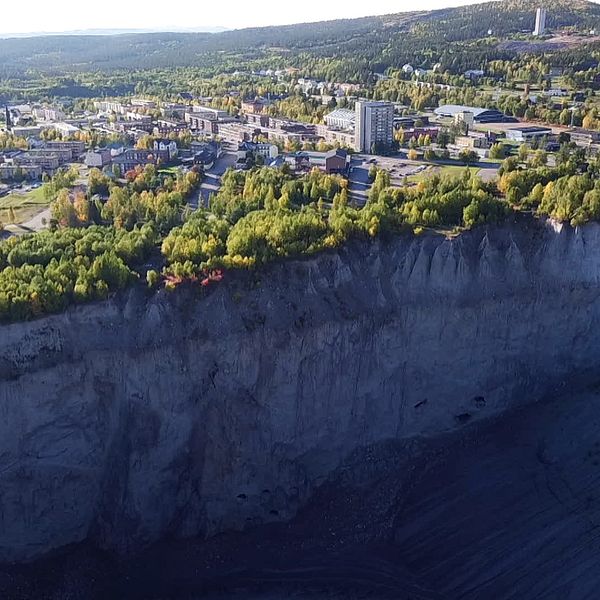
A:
[540,22]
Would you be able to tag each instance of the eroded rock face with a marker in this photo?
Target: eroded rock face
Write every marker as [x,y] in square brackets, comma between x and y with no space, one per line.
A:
[180,414]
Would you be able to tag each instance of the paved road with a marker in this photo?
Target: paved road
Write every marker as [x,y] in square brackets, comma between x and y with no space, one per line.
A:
[212,180]
[37,223]
[358,180]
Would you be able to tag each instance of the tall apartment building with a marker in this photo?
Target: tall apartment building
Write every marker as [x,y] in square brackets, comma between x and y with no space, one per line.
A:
[374,125]
[540,22]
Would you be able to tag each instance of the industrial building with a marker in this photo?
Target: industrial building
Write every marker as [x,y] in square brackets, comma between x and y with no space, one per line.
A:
[480,115]
[525,134]
[341,118]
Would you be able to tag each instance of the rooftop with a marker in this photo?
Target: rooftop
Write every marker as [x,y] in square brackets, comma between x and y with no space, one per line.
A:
[341,113]
[455,109]
[531,129]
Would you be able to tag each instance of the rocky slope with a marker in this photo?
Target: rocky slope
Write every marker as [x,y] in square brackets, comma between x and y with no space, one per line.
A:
[173,415]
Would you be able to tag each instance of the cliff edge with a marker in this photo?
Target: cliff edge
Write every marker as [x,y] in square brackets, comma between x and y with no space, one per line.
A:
[194,412]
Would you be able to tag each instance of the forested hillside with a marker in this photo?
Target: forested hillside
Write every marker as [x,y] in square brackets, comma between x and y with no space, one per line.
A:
[373,42]
[505,17]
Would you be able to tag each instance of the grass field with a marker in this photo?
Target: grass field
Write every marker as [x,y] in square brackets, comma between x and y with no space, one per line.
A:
[25,205]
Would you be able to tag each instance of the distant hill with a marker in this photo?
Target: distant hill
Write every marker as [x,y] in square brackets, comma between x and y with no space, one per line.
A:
[508,17]
[372,42]
[113,32]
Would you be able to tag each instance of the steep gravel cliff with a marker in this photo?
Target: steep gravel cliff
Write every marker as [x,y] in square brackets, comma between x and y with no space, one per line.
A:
[190,413]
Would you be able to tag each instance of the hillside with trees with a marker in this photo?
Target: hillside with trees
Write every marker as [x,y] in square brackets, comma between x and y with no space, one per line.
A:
[373,42]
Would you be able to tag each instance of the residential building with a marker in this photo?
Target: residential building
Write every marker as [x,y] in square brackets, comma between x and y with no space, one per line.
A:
[342,137]
[132,115]
[236,132]
[65,128]
[307,85]
[25,132]
[332,162]
[204,158]
[10,171]
[540,21]
[258,120]
[48,113]
[164,127]
[19,113]
[74,147]
[212,144]
[374,125]
[204,154]
[64,155]
[47,161]
[98,158]
[525,134]
[266,151]
[381,76]
[110,106]
[556,93]
[214,114]
[169,146]
[134,157]
[171,110]
[256,106]
[131,127]
[207,121]
[141,103]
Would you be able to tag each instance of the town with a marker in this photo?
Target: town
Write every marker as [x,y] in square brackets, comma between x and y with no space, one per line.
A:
[346,133]
[298,300]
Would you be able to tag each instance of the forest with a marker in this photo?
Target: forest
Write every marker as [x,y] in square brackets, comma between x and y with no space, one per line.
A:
[374,43]
[98,246]
[145,229]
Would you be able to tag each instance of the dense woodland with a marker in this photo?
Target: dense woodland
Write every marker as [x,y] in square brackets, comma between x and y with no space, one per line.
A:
[116,235]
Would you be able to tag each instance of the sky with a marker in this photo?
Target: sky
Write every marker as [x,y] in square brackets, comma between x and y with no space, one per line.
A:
[69,15]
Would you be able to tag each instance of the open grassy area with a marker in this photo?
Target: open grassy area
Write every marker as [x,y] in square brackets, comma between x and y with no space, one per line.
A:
[25,205]
[18,199]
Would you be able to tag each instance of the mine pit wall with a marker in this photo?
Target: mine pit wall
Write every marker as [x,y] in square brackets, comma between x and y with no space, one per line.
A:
[180,414]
